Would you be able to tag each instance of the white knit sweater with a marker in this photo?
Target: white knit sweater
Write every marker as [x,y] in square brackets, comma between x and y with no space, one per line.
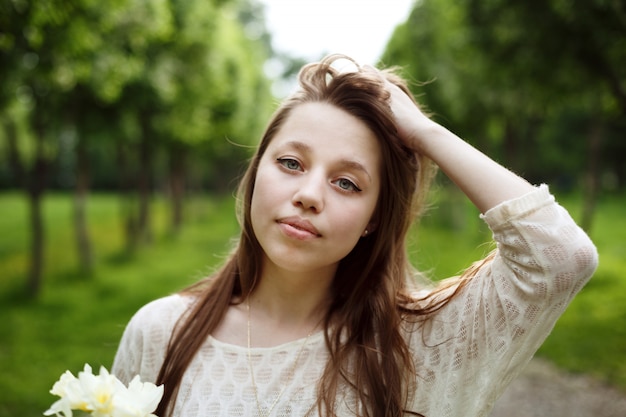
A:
[465,356]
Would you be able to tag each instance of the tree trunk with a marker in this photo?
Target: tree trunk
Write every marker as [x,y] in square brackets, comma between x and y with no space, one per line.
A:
[35,189]
[15,161]
[592,175]
[144,181]
[36,244]
[83,241]
[177,185]
[33,185]
[129,218]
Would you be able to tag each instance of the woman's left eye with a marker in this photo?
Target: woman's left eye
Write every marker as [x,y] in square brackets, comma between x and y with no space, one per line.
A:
[289,163]
[347,185]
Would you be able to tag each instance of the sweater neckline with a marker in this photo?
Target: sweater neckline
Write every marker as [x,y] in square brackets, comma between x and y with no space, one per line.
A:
[314,339]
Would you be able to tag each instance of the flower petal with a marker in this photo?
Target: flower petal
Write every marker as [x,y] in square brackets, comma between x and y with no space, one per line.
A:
[59,408]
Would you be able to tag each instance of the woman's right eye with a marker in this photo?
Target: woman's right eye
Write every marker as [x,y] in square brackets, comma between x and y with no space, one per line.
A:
[290,164]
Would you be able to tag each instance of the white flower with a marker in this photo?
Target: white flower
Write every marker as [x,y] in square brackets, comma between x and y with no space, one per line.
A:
[72,392]
[65,388]
[98,391]
[103,395]
[139,400]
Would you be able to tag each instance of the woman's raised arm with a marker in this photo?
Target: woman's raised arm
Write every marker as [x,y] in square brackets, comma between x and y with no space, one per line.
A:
[484,181]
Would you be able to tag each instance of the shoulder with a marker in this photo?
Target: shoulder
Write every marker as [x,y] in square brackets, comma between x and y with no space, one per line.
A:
[171,304]
[145,339]
[160,314]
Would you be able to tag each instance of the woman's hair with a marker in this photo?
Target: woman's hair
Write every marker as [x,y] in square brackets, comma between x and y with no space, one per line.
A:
[370,290]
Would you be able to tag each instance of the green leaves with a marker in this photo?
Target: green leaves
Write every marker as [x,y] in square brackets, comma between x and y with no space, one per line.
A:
[508,76]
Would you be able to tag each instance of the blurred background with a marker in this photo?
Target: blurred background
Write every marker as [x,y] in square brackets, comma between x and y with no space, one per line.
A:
[124,126]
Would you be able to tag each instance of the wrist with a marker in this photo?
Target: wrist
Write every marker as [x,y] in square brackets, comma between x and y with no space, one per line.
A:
[424,135]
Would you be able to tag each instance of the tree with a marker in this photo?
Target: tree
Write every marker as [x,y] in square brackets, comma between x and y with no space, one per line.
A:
[201,86]
[152,79]
[511,75]
[576,50]
[61,66]
[28,68]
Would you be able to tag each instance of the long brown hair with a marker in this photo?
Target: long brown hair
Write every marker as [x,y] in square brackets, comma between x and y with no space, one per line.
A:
[370,291]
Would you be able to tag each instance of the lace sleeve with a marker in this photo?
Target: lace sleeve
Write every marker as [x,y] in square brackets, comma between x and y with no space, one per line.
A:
[473,347]
[543,259]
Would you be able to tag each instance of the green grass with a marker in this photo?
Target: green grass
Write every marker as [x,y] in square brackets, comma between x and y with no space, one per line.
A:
[450,235]
[79,319]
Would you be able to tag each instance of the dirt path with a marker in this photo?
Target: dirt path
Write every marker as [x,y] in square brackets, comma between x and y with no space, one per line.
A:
[545,391]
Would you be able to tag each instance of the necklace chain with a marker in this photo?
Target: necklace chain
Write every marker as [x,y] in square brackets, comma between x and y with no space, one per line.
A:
[289,376]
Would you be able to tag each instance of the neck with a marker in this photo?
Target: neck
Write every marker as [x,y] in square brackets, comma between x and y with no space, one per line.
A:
[292,299]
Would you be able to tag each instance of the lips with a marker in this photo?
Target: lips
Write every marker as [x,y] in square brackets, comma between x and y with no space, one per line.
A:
[298,228]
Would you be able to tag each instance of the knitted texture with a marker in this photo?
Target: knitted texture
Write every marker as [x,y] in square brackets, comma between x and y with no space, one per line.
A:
[465,355]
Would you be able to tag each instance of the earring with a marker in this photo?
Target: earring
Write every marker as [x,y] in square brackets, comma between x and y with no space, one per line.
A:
[365,232]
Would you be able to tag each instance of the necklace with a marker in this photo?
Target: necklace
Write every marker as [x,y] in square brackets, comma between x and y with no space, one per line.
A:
[289,376]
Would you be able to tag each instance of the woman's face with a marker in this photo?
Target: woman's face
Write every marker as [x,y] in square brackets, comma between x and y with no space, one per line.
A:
[316,189]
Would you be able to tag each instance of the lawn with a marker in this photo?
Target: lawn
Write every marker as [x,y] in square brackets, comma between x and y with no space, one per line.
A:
[80,319]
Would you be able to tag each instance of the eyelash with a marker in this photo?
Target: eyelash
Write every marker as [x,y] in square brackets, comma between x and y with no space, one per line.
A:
[285,161]
[352,187]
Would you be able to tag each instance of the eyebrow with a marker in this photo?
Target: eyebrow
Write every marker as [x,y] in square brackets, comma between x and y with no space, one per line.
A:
[355,166]
[301,146]
[347,163]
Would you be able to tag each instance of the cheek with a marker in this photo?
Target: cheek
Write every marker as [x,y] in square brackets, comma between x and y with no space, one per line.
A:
[258,204]
[262,190]
[353,221]
[264,198]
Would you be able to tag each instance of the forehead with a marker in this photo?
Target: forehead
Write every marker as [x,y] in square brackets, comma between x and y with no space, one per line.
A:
[325,127]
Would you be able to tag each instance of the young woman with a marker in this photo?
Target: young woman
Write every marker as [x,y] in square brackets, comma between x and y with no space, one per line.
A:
[317,312]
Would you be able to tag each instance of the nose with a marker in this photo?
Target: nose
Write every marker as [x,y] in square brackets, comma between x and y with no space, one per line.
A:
[310,192]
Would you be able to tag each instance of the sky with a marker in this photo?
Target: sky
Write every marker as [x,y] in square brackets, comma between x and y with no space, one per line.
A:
[312,28]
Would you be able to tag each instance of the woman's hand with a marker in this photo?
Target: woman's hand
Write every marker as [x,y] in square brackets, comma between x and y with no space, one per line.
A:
[414,127]
[412,124]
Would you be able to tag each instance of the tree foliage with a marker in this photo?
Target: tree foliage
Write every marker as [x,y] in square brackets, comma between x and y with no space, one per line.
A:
[134,92]
[533,82]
